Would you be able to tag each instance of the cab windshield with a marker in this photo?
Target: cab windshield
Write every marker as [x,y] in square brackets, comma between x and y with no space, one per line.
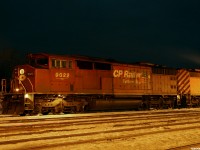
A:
[39,62]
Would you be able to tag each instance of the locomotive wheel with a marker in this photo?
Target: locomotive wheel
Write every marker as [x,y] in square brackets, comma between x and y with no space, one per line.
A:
[45,112]
[73,110]
[142,106]
[145,106]
[161,103]
[23,114]
[86,108]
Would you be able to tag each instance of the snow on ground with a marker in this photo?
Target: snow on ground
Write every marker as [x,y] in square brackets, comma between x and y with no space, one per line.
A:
[157,141]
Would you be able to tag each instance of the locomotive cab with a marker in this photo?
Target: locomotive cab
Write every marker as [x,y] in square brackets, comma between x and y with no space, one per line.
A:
[38,61]
[20,99]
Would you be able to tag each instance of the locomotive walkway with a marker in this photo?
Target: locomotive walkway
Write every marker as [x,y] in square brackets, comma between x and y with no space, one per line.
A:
[160,129]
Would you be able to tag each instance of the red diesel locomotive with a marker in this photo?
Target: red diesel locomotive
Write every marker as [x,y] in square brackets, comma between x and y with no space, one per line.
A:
[55,83]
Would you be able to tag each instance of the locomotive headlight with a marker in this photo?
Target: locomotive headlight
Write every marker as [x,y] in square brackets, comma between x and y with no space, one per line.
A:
[26,96]
[21,71]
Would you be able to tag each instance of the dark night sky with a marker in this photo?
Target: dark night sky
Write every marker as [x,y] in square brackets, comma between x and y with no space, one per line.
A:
[164,32]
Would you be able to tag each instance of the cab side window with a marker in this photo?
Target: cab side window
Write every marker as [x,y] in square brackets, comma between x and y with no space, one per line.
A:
[53,63]
[63,64]
[70,64]
[56,63]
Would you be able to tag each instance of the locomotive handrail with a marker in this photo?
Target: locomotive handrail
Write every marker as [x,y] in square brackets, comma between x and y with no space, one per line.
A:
[3,85]
[30,83]
[22,85]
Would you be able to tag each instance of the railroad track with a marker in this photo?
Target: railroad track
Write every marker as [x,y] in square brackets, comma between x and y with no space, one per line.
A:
[52,133]
[73,118]
[117,122]
[30,129]
[195,146]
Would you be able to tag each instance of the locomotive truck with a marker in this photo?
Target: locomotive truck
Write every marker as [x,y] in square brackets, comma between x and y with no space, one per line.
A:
[72,83]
